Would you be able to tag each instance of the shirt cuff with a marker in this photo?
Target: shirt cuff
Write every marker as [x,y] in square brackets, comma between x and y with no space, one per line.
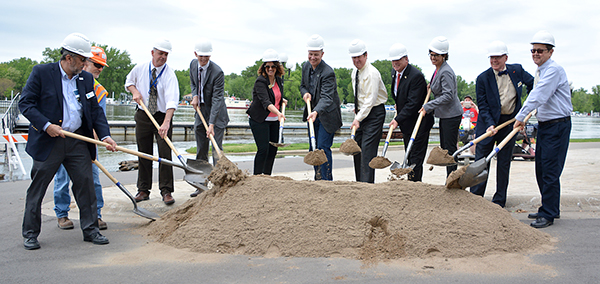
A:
[46,125]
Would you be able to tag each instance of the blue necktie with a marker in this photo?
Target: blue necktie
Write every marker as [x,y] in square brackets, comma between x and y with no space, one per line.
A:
[503,72]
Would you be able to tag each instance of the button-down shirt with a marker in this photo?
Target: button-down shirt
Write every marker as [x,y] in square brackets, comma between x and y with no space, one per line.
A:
[72,111]
[371,90]
[167,87]
[507,92]
[398,78]
[551,96]
[203,76]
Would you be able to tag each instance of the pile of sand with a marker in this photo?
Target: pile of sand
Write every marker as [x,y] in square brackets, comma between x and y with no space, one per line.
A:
[315,158]
[277,216]
[440,157]
[379,162]
[401,171]
[454,178]
[350,147]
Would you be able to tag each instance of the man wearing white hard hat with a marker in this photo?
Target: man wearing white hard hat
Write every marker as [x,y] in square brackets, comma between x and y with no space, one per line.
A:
[551,96]
[370,95]
[319,86]
[59,96]
[409,90]
[207,82]
[154,83]
[498,90]
[62,200]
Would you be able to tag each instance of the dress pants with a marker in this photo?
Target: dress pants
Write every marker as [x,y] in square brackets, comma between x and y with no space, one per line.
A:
[62,198]
[324,141]
[367,137]
[419,147]
[264,132]
[74,155]
[550,157]
[504,157]
[202,142]
[145,132]
[449,137]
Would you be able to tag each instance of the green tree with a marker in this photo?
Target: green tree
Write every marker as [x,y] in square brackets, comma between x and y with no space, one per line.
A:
[51,55]
[344,84]
[17,71]
[183,78]
[465,89]
[596,98]
[582,101]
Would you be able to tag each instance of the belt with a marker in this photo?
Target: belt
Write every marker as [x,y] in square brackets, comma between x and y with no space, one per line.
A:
[567,118]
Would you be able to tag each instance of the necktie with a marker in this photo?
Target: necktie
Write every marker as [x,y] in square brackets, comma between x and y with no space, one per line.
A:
[356,93]
[397,82]
[152,106]
[200,85]
[503,72]
[536,78]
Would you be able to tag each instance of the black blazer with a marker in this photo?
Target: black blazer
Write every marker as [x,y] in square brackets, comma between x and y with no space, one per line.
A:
[214,98]
[42,102]
[262,97]
[488,98]
[409,97]
[325,101]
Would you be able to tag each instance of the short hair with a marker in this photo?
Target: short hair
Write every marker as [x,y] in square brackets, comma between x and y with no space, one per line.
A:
[279,71]
[549,46]
[64,54]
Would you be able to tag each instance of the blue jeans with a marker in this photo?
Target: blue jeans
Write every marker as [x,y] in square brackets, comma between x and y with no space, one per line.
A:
[62,199]
[324,142]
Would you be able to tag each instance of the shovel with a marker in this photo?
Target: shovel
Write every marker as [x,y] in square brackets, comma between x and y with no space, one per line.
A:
[192,176]
[137,210]
[404,165]
[477,172]
[381,162]
[480,138]
[280,140]
[212,138]
[350,147]
[315,157]
[166,137]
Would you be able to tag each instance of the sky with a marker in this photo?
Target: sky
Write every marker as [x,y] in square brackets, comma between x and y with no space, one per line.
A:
[240,31]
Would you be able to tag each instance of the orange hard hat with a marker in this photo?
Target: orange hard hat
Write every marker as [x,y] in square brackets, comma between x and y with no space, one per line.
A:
[99,56]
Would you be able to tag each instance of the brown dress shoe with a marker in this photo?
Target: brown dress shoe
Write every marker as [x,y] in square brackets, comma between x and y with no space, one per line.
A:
[102,225]
[168,199]
[65,224]
[141,196]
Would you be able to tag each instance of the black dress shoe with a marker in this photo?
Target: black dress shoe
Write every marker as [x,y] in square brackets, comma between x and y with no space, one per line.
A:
[196,193]
[541,222]
[535,215]
[96,239]
[31,243]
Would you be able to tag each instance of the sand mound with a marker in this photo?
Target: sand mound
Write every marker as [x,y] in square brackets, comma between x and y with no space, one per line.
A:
[454,178]
[401,171]
[440,157]
[379,162]
[265,216]
[315,158]
[350,147]
[226,173]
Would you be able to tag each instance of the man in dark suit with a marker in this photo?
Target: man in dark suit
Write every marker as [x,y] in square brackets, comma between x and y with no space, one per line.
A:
[319,86]
[60,96]
[409,89]
[498,92]
[207,82]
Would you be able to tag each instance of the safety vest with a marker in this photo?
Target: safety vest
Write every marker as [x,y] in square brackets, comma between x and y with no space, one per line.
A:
[100,91]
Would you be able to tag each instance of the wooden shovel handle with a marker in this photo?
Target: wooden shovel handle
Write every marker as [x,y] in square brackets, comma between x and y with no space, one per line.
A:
[212,138]
[158,127]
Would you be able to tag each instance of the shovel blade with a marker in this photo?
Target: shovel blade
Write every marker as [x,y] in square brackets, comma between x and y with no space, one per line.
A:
[395,165]
[475,174]
[145,213]
[198,180]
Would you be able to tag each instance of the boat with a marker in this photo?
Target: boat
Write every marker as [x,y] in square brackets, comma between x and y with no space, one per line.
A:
[235,103]
[349,107]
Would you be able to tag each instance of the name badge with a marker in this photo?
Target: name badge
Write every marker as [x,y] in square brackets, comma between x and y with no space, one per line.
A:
[519,84]
[89,95]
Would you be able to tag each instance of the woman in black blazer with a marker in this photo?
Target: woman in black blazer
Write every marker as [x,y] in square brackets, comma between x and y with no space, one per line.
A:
[264,112]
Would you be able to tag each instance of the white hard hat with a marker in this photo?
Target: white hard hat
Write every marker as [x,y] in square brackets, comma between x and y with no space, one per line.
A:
[397,51]
[439,45]
[79,44]
[283,58]
[270,55]
[163,45]
[497,48]
[357,48]
[543,37]
[203,47]
[315,42]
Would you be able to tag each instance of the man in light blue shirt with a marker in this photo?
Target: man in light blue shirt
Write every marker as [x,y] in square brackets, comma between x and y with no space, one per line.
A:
[551,96]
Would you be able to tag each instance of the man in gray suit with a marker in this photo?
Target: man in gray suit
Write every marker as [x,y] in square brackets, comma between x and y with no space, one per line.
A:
[319,86]
[207,82]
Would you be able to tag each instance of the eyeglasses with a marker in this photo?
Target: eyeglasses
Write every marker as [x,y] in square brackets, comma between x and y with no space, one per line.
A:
[270,66]
[83,59]
[539,51]
[434,55]
[98,65]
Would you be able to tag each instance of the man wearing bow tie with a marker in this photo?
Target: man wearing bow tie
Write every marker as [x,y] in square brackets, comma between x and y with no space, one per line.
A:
[498,92]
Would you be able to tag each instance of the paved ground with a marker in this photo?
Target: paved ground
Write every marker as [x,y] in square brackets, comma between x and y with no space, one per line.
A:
[132,258]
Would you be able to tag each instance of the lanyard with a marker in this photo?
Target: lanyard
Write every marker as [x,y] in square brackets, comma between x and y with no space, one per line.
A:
[155,82]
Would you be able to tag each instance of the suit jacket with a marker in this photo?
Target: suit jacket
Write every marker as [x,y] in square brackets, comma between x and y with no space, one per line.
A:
[262,97]
[325,100]
[409,97]
[443,87]
[42,102]
[214,100]
[488,98]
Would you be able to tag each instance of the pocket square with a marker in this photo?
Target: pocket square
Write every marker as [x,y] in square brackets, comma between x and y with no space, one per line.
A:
[89,95]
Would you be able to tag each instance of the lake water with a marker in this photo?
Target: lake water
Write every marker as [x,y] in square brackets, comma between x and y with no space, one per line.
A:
[583,127]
